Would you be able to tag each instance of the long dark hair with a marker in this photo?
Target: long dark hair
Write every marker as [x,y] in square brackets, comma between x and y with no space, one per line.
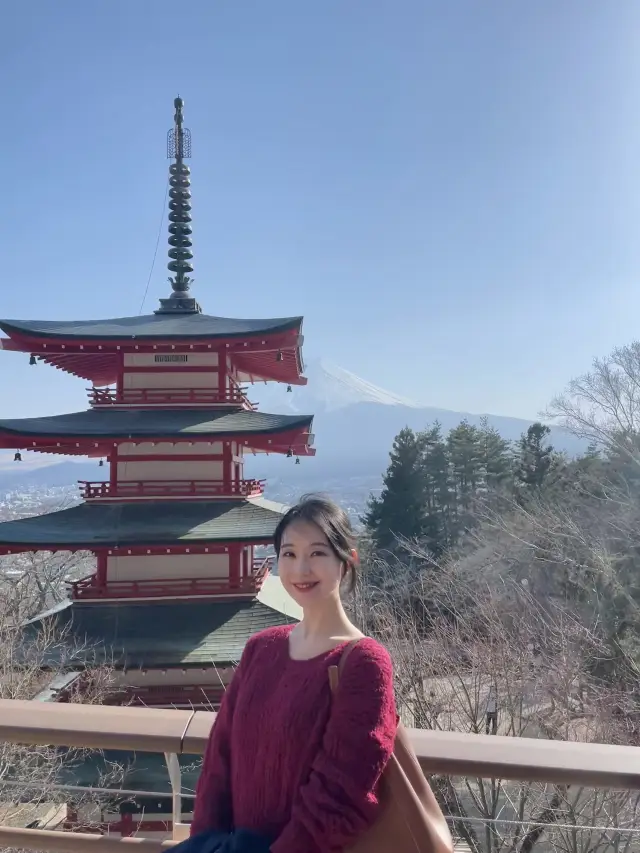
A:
[334,523]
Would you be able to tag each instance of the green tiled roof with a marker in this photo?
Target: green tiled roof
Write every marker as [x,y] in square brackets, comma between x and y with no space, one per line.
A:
[150,327]
[100,525]
[131,423]
[180,633]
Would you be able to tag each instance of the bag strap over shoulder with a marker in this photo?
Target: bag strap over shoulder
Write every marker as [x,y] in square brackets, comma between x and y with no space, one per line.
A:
[336,671]
[411,819]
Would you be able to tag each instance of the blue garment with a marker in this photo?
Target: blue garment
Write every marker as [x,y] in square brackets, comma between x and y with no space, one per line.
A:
[240,841]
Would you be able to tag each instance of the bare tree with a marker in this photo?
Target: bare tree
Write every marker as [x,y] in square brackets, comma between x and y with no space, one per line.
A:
[37,581]
[487,657]
[533,627]
[603,406]
[577,547]
[35,661]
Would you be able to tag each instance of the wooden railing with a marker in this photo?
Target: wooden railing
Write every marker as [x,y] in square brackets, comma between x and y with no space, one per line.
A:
[452,753]
[169,397]
[170,696]
[89,588]
[175,732]
[203,489]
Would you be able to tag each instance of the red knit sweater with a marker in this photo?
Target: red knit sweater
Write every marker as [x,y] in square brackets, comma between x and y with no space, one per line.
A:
[286,761]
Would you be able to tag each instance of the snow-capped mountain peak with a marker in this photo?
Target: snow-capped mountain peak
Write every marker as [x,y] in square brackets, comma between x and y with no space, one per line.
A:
[329,388]
[338,387]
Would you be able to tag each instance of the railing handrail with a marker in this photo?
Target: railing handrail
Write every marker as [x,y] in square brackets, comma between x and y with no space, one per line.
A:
[113,393]
[133,488]
[258,567]
[172,482]
[153,396]
[454,753]
[152,588]
[50,841]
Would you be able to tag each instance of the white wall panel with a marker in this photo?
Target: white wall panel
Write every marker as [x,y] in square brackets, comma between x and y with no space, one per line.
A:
[164,566]
[181,469]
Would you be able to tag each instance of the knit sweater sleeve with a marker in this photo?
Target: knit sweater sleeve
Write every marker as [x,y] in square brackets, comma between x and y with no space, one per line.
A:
[338,802]
[212,808]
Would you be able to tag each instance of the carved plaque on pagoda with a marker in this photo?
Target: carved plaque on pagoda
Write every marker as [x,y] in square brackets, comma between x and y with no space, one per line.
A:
[173,358]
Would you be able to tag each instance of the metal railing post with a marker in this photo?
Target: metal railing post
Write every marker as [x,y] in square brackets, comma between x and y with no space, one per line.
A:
[175,777]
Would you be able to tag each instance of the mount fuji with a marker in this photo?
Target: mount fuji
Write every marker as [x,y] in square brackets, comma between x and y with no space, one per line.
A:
[329,389]
[355,423]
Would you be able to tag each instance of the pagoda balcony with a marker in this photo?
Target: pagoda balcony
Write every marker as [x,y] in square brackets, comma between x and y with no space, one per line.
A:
[185,732]
[189,397]
[90,589]
[170,696]
[130,490]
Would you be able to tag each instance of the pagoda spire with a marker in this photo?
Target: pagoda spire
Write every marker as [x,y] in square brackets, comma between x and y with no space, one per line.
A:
[180,254]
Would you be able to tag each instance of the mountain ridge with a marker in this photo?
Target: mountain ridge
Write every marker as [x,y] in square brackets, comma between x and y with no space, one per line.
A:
[355,422]
[329,388]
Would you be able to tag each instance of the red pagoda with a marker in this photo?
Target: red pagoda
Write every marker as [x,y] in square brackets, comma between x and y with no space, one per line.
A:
[175,525]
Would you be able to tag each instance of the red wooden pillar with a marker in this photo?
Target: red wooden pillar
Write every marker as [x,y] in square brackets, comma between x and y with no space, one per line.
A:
[227,462]
[237,464]
[113,471]
[223,372]
[125,824]
[120,377]
[101,569]
[235,569]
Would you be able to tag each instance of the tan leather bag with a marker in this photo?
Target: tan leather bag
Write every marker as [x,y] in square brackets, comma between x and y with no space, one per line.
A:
[410,820]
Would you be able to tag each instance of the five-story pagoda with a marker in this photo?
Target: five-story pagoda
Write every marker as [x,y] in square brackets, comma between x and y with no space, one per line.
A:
[175,526]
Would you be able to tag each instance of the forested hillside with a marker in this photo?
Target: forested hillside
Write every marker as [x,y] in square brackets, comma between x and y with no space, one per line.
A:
[505,579]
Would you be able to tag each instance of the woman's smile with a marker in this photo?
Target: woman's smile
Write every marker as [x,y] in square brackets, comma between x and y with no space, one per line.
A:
[307,586]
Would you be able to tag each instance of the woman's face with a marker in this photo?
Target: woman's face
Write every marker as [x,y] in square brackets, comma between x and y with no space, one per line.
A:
[308,569]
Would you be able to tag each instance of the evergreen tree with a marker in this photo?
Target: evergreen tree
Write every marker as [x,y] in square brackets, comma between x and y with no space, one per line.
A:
[435,467]
[496,455]
[400,511]
[534,457]
[466,473]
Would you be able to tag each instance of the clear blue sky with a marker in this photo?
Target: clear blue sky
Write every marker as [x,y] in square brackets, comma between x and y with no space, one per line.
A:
[448,190]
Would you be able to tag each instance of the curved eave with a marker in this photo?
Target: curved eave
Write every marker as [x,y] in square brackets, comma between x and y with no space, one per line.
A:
[98,369]
[299,440]
[269,357]
[255,367]
[95,527]
[131,423]
[149,328]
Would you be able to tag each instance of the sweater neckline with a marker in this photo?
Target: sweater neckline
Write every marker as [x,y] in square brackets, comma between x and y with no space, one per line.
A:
[316,658]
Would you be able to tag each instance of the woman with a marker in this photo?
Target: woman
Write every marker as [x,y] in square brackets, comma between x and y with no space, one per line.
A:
[284,761]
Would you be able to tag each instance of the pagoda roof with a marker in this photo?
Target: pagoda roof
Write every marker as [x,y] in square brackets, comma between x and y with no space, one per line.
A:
[164,633]
[93,526]
[92,349]
[149,327]
[125,424]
